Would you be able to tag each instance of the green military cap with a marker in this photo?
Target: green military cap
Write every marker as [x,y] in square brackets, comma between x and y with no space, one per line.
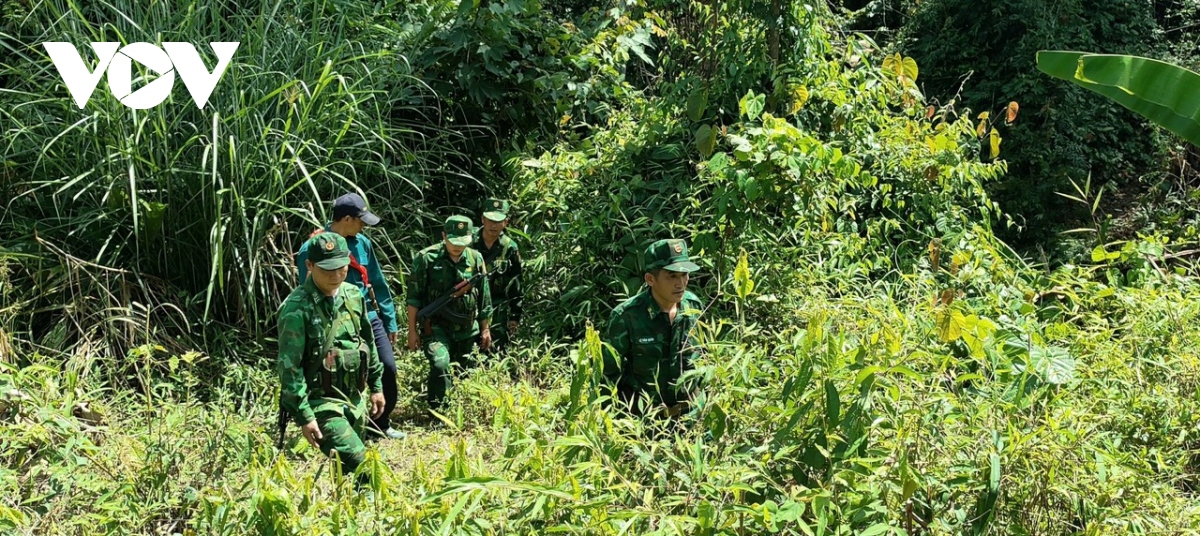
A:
[670,255]
[495,209]
[458,230]
[328,251]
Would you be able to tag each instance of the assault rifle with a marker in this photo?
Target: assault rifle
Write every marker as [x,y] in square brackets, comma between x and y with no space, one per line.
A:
[282,422]
[438,306]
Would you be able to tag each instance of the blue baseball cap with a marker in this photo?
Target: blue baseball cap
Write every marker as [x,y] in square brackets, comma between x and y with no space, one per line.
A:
[353,205]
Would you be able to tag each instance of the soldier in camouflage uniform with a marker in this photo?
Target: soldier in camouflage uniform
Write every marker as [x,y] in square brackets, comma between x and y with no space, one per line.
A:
[350,217]
[449,336]
[501,255]
[327,356]
[650,333]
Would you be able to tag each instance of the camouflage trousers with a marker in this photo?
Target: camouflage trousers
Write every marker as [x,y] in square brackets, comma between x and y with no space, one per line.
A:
[442,348]
[499,328]
[342,429]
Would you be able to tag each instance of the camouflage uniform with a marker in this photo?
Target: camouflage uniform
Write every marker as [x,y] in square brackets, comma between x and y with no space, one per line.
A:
[649,350]
[504,261]
[327,358]
[434,274]
[366,273]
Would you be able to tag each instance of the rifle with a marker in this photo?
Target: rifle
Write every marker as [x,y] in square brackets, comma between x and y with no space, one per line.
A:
[426,313]
[282,422]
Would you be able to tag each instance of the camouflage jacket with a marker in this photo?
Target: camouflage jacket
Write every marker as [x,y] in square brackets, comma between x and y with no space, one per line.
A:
[434,274]
[327,353]
[504,261]
[651,352]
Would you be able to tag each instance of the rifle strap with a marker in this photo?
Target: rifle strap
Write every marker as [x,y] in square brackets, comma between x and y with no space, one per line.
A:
[327,345]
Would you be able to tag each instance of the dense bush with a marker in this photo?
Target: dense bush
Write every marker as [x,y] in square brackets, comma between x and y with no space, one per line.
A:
[981,55]
[876,361]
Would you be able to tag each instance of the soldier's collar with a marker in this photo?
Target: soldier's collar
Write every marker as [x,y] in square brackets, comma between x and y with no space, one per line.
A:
[446,254]
[316,296]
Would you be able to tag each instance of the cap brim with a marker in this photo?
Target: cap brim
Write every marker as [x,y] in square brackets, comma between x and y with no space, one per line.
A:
[495,216]
[369,218]
[685,266]
[460,240]
[333,264]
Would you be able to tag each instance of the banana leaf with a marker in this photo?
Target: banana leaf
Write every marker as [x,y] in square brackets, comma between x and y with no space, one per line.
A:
[1166,94]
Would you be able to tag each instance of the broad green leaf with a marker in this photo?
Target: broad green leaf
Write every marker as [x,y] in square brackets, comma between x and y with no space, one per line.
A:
[878,528]
[752,189]
[715,421]
[718,162]
[1053,364]
[696,104]
[707,515]
[1166,94]
[833,405]
[706,140]
[1099,254]
[751,105]
[742,283]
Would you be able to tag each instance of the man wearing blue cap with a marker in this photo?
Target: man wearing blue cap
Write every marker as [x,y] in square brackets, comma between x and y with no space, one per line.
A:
[350,216]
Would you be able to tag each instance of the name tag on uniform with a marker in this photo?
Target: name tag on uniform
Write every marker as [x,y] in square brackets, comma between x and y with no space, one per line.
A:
[437,267]
[646,340]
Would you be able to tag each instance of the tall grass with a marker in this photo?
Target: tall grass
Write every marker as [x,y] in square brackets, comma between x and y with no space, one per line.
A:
[199,210]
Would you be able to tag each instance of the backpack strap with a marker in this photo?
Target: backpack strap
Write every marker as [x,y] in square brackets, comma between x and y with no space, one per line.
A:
[362,272]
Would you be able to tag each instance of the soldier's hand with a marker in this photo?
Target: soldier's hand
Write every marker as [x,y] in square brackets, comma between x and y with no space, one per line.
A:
[485,340]
[414,339]
[376,405]
[313,434]
[392,337]
[512,327]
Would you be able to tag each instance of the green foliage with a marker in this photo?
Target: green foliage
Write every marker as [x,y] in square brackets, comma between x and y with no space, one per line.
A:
[875,360]
[198,211]
[854,174]
[511,73]
[980,56]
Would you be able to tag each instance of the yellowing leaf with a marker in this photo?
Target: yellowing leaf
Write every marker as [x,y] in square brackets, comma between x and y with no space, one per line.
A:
[995,144]
[799,98]
[889,63]
[950,325]
[984,115]
[979,130]
[909,69]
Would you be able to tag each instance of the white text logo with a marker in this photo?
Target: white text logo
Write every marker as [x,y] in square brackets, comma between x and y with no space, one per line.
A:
[181,57]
